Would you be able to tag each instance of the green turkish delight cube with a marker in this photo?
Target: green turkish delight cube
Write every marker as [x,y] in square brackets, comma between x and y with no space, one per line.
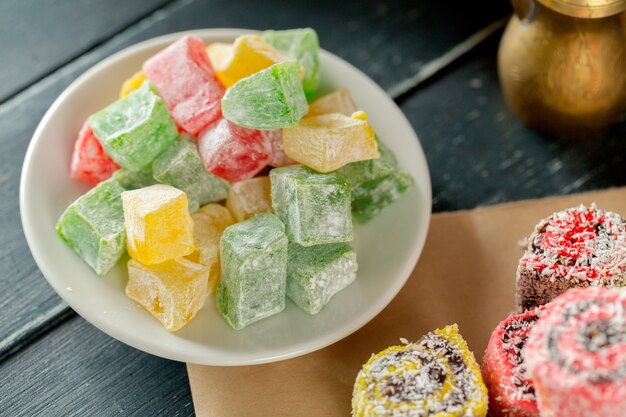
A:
[369,198]
[375,183]
[269,99]
[315,207]
[315,274]
[180,166]
[93,226]
[136,129]
[254,270]
[300,44]
[133,180]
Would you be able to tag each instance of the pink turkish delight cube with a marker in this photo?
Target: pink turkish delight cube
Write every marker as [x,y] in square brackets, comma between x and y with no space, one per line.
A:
[89,162]
[279,158]
[185,80]
[233,152]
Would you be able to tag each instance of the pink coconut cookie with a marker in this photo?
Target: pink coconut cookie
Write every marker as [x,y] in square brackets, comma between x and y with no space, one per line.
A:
[576,354]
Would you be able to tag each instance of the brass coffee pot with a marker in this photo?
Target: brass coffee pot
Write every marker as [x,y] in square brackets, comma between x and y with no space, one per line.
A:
[562,65]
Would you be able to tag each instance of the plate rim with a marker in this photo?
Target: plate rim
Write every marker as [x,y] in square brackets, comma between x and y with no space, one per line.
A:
[297,349]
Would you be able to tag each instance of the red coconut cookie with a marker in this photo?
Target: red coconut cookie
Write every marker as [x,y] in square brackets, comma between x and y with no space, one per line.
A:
[511,393]
[576,354]
[578,247]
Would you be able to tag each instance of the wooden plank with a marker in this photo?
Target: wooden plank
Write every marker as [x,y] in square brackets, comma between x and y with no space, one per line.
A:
[391,41]
[479,153]
[79,371]
[388,42]
[39,37]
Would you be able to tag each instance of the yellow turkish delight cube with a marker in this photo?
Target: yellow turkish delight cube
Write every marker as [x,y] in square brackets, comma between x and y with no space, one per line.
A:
[220,54]
[172,291]
[339,101]
[249,197]
[158,225]
[208,225]
[132,83]
[249,54]
[328,142]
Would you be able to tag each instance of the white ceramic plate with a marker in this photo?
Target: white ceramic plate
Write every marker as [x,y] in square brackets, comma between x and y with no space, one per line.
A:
[388,247]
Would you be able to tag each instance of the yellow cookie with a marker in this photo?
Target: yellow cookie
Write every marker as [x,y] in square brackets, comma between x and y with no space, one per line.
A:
[435,377]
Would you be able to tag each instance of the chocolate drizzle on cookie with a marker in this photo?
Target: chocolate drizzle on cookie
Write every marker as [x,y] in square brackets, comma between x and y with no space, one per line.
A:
[426,368]
[513,341]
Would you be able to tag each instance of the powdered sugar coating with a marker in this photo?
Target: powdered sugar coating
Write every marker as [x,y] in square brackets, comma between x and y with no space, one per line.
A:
[330,141]
[254,270]
[576,354]
[315,274]
[279,157]
[270,99]
[315,207]
[173,291]
[233,152]
[511,393]
[578,247]
[185,80]
[136,129]
[93,226]
[89,162]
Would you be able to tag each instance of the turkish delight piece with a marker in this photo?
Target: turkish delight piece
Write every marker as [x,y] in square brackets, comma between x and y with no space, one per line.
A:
[315,207]
[328,142]
[209,223]
[136,129]
[172,291]
[248,54]
[184,77]
[132,180]
[158,225]
[132,83]
[339,101]
[249,197]
[315,274]
[300,44]
[232,152]
[180,166]
[278,158]
[375,183]
[93,226]
[89,162]
[269,99]
[254,270]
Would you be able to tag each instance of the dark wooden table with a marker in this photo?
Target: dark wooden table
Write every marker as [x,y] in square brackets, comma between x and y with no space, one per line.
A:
[433,57]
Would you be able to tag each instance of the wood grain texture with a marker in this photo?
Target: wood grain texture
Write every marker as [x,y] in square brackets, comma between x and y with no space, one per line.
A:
[37,37]
[480,154]
[390,40]
[76,370]
[79,371]
[404,28]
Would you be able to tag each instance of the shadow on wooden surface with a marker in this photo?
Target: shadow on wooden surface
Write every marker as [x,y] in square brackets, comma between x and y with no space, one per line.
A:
[479,153]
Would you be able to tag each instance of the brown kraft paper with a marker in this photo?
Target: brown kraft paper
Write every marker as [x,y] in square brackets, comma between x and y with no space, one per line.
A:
[465,275]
